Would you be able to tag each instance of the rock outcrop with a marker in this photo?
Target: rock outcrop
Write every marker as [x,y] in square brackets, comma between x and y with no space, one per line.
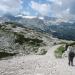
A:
[22,40]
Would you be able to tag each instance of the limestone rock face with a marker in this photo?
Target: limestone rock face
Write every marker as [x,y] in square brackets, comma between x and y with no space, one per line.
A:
[22,40]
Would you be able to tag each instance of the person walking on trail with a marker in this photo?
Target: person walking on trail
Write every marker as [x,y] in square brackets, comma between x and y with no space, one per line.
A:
[71,55]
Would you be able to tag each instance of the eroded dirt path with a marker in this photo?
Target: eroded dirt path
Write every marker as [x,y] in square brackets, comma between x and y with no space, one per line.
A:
[37,65]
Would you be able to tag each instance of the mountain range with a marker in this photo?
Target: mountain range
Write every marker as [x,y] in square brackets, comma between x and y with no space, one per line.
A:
[58,27]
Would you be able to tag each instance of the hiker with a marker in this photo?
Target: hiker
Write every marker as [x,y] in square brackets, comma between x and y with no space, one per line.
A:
[71,55]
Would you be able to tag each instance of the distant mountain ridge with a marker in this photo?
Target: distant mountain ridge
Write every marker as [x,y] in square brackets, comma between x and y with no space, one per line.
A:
[59,28]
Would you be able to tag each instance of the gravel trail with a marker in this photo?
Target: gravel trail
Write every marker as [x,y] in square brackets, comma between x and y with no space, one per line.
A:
[37,65]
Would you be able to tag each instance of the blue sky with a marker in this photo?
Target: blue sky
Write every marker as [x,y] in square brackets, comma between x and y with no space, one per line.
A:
[28,6]
[38,7]
[58,8]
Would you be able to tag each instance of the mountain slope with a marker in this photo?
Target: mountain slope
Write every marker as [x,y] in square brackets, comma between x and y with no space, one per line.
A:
[63,31]
[22,40]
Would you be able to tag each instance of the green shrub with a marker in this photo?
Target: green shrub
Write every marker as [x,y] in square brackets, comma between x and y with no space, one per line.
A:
[71,44]
[35,49]
[59,51]
[43,52]
[37,40]
[19,39]
[0,26]
[63,42]
[5,54]
[14,26]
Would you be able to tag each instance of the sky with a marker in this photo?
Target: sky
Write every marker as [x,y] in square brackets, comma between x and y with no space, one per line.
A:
[52,8]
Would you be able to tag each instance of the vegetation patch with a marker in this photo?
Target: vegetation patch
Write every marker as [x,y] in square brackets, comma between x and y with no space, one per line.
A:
[59,51]
[19,39]
[32,41]
[71,44]
[43,52]
[5,54]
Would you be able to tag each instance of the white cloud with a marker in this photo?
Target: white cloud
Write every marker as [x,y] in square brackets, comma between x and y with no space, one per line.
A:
[42,9]
[10,6]
[59,8]
[25,13]
[63,8]
[50,0]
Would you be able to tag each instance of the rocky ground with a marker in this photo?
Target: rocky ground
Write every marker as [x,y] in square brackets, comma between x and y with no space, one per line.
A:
[22,40]
[37,65]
